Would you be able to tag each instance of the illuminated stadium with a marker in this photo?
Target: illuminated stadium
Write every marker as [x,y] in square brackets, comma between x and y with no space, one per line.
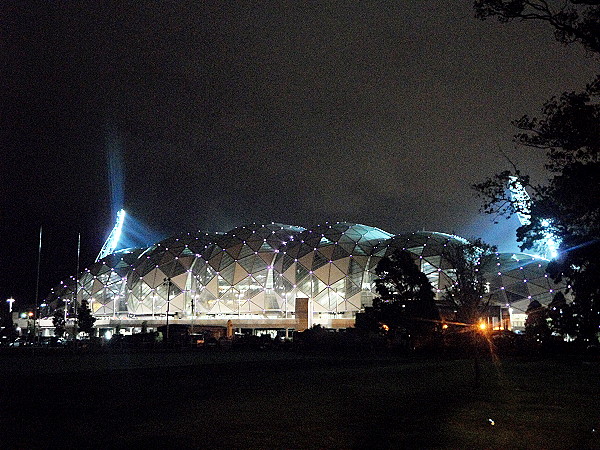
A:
[276,277]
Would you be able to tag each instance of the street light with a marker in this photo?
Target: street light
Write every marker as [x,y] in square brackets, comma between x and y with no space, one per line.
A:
[169,283]
[66,300]
[10,302]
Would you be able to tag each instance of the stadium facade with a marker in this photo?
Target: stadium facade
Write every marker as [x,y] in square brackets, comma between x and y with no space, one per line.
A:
[278,277]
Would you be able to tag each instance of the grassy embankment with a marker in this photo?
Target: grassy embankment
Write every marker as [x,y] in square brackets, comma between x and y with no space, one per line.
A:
[264,400]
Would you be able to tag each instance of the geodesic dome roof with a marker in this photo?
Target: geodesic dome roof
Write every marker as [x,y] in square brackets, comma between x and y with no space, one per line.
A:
[104,278]
[210,273]
[426,248]
[519,278]
[171,259]
[262,268]
[330,264]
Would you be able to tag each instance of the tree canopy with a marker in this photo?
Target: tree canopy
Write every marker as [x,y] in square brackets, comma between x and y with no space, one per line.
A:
[561,317]
[85,319]
[58,320]
[406,302]
[567,205]
[467,294]
[572,20]
[536,324]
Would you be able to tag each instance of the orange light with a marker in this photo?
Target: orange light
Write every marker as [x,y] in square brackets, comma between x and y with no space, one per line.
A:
[385,327]
[30,314]
[482,326]
[445,326]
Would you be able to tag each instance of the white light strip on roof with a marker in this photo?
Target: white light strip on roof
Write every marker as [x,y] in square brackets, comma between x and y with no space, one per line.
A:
[113,238]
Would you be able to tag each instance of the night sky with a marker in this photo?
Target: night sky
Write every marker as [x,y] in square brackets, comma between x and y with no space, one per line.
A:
[216,114]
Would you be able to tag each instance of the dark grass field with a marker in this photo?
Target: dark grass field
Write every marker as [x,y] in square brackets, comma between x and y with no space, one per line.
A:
[286,400]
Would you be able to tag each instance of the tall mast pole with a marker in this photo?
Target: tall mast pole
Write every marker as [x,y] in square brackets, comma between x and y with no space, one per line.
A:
[36,311]
[76,288]
[76,284]
[78,254]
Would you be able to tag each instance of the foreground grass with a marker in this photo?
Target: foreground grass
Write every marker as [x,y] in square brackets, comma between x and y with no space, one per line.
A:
[308,402]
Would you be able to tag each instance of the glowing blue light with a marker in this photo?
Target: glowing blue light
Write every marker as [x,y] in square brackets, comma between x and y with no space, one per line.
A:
[548,245]
[113,238]
[522,200]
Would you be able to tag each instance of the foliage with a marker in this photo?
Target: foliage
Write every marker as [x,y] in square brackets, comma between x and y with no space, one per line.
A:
[568,204]
[313,336]
[58,320]
[7,326]
[560,315]
[320,339]
[582,270]
[572,20]
[406,306]
[31,328]
[536,324]
[400,280]
[467,295]
[85,319]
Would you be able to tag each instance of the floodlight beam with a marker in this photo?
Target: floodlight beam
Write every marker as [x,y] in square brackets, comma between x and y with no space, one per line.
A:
[520,196]
[113,238]
[548,246]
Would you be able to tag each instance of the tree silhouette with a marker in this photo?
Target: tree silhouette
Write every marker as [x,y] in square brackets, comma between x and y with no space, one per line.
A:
[7,327]
[536,324]
[58,320]
[85,319]
[560,314]
[406,305]
[568,205]
[467,294]
[572,20]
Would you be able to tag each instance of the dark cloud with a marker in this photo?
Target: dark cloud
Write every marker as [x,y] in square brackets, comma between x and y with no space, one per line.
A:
[381,113]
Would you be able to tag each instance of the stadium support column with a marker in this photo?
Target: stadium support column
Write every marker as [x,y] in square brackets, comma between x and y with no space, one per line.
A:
[304,313]
[169,283]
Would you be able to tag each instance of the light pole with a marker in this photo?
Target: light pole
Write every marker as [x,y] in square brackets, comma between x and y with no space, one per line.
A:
[65,310]
[10,302]
[194,298]
[169,283]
